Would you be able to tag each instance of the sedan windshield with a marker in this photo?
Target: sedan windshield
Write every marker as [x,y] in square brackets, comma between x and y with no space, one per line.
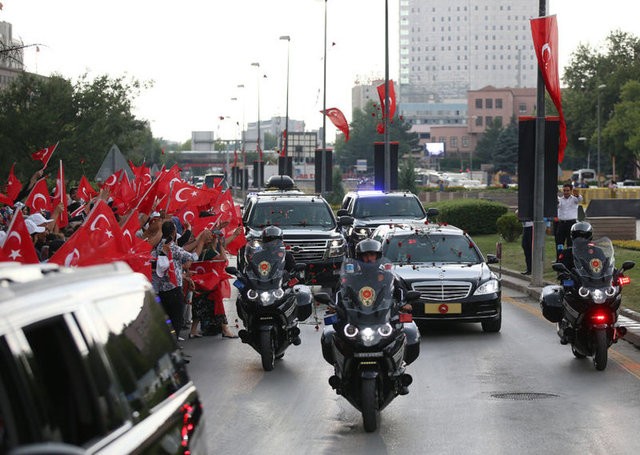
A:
[432,248]
[292,214]
[401,207]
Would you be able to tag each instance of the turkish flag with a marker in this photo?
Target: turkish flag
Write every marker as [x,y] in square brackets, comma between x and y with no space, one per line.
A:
[208,274]
[13,185]
[6,200]
[44,155]
[18,245]
[39,198]
[85,190]
[234,246]
[339,121]
[60,196]
[545,42]
[392,99]
[112,180]
[283,152]
[184,194]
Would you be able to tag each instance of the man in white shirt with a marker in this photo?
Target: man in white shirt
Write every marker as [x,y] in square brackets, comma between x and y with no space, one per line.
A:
[567,215]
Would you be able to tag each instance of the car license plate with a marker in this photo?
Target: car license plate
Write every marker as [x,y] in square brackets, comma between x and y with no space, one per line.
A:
[442,308]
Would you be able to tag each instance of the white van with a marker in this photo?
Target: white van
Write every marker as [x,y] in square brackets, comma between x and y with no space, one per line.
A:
[589,176]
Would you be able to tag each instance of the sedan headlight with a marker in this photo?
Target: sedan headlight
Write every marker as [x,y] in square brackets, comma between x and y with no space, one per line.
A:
[490,287]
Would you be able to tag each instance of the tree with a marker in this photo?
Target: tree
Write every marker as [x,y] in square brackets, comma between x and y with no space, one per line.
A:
[270,142]
[593,75]
[336,196]
[85,118]
[407,176]
[487,143]
[622,129]
[505,157]
[364,133]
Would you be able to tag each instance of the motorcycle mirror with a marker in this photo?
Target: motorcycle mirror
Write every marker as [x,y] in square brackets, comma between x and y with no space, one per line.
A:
[492,259]
[231,270]
[323,297]
[345,220]
[559,267]
[342,212]
[412,296]
[626,265]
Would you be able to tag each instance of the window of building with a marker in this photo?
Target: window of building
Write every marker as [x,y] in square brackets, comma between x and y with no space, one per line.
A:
[498,103]
[489,120]
[478,103]
[488,103]
[479,121]
[465,142]
[453,141]
[522,108]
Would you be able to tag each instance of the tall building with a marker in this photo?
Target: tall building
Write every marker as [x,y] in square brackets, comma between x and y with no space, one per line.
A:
[11,55]
[447,48]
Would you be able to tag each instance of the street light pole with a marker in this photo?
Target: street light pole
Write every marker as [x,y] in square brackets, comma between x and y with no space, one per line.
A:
[387,147]
[324,108]
[257,65]
[285,142]
[584,139]
[600,87]
[244,153]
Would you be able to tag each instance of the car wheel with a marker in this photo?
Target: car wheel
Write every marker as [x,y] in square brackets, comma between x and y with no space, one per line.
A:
[492,326]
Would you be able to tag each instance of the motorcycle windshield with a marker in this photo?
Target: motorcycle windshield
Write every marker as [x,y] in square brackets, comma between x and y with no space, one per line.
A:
[594,261]
[367,293]
[265,263]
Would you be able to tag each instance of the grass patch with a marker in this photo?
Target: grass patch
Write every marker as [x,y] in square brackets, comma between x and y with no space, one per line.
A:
[513,259]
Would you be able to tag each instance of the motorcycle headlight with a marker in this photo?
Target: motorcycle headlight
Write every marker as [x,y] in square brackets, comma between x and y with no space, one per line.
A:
[598,296]
[267,297]
[278,293]
[490,287]
[385,330]
[583,292]
[336,248]
[367,335]
[611,291]
[252,294]
[350,330]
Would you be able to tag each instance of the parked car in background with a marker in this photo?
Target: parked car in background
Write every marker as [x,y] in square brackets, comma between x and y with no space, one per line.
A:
[88,365]
[448,269]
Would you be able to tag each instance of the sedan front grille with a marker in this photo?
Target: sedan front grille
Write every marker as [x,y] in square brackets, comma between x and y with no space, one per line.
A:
[307,250]
[442,290]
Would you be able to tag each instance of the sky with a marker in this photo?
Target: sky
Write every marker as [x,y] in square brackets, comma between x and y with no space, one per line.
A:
[197,52]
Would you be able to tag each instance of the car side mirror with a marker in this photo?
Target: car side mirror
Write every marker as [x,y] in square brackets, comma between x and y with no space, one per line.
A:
[432,213]
[626,265]
[342,212]
[323,297]
[492,259]
[412,296]
[345,220]
[559,267]
[231,270]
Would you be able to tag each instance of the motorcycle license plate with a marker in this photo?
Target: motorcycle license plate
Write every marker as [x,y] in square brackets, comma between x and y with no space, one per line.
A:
[442,308]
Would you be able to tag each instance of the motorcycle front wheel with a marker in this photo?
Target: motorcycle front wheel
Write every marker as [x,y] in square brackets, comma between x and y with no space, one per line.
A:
[267,350]
[600,348]
[369,402]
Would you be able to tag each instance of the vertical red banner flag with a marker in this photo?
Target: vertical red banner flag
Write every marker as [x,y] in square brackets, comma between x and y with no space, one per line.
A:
[339,121]
[60,197]
[544,31]
[392,99]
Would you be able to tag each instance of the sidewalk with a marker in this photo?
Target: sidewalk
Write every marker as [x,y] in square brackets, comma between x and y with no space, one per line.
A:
[627,318]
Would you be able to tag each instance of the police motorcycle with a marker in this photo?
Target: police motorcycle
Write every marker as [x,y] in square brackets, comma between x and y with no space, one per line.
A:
[270,301]
[366,338]
[585,306]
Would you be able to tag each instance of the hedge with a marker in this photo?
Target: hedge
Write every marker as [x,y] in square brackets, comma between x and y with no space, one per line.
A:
[475,216]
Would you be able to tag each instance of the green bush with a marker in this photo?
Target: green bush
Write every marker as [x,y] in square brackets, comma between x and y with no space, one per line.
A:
[475,216]
[509,227]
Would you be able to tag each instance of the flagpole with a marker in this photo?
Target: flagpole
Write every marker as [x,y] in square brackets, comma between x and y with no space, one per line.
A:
[324,108]
[537,262]
[387,148]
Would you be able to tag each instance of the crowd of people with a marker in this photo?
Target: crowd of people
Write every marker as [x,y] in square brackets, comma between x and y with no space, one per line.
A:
[179,242]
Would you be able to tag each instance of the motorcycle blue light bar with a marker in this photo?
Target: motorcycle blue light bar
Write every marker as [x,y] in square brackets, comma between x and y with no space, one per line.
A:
[238,284]
[330,319]
[567,283]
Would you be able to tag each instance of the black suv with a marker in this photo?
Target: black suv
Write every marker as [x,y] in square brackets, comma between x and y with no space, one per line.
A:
[447,268]
[370,209]
[310,230]
[88,365]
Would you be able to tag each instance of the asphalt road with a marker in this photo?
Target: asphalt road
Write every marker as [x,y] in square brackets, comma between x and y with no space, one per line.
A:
[518,391]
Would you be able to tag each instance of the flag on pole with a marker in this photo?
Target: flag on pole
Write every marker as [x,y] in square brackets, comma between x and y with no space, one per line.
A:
[544,31]
[392,99]
[339,121]
[44,155]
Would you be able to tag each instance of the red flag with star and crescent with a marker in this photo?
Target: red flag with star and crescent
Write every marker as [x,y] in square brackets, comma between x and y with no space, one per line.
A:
[85,190]
[392,99]
[44,155]
[13,185]
[39,198]
[339,121]
[545,42]
[18,245]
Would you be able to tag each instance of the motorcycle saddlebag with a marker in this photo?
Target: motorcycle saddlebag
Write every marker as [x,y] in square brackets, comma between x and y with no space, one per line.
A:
[304,299]
[551,303]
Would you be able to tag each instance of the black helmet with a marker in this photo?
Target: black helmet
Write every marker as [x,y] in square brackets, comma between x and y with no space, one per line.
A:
[581,229]
[271,233]
[368,246]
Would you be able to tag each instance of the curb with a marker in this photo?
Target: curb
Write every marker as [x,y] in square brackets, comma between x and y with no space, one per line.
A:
[514,280]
